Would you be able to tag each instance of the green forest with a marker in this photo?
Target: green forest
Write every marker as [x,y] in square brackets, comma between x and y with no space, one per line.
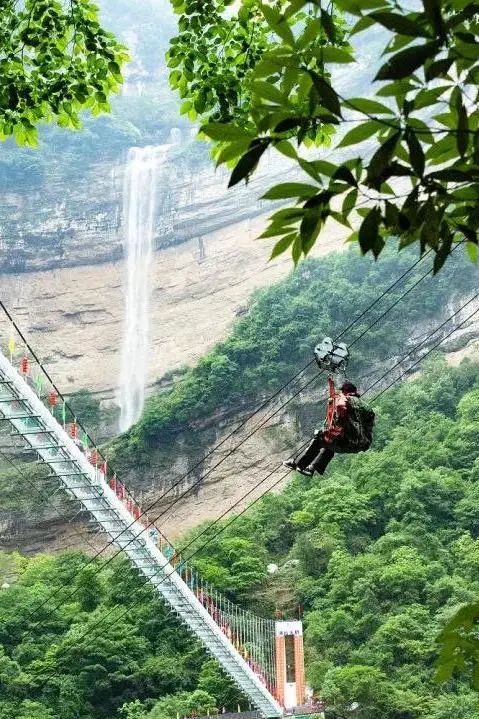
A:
[378,555]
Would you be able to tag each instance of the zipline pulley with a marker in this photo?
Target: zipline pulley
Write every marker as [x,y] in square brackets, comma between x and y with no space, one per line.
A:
[331,356]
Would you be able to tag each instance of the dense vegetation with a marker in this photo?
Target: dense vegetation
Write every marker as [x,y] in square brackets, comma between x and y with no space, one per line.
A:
[378,555]
[274,340]
[57,62]
[135,118]
[74,662]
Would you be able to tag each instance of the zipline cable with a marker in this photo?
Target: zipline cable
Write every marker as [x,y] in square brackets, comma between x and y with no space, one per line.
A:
[245,439]
[312,379]
[250,416]
[46,497]
[273,471]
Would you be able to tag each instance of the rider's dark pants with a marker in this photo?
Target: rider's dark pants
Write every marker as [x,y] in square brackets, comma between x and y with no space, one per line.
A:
[317,455]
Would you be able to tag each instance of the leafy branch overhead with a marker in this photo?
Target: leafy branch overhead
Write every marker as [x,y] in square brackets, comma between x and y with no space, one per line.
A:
[410,163]
[56,61]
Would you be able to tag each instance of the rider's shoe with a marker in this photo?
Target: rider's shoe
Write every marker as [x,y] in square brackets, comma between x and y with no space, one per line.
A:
[291,464]
[309,471]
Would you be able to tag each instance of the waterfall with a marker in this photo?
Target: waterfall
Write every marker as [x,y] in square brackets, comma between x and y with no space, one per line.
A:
[139,192]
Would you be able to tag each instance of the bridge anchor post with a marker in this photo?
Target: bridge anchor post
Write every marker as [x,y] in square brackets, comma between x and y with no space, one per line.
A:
[290,673]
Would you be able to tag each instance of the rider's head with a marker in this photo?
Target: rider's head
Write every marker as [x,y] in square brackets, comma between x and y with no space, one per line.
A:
[349,388]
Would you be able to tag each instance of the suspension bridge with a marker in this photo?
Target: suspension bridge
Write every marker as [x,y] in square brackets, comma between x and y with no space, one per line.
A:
[263,657]
[253,651]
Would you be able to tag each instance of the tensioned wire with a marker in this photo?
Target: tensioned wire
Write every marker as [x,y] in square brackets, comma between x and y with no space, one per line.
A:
[43,495]
[238,427]
[47,496]
[199,549]
[257,427]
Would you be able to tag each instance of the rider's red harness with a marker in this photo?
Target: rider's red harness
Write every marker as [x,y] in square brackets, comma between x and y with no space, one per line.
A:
[332,430]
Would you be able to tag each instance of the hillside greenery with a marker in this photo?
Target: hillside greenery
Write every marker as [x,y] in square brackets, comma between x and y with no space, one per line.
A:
[284,322]
[72,661]
[377,556]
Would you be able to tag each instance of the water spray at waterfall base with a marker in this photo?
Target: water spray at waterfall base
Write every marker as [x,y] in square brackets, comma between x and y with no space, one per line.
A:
[139,194]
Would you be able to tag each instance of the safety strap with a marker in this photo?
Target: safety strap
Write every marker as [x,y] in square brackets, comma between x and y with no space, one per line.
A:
[331,403]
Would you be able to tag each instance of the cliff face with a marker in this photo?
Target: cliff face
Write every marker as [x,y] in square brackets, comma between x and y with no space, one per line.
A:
[73,317]
[215,481]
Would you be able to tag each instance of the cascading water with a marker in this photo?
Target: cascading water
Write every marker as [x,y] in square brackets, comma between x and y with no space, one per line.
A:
[139,195]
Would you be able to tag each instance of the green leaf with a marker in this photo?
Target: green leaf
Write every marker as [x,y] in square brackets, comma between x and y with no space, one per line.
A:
[278,24]
[443,150]
[296,250]
[444,671]
[381,158]
[462,136]
[362,24]
[290,189]
[288,214]
[287,149]
[317,168]
[360,133]
[232,151]
[336,54]
[327,95]
[221,131]
[344,173]
[472,251]
[357,7]
[438,68]
[274,230]
[349,202]
[269,92]
[310,227]
[404,63]
[416,153]
[341,219]
[399,23]
[283,245]
[247,164]
[452,174]
[432,9]
[369,239]
[310,34]
[363,104]
[328,25]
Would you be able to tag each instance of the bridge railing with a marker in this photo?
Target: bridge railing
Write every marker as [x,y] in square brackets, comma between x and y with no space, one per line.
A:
[252,636]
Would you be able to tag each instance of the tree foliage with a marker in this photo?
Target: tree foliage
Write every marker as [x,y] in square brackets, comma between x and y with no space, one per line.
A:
[56,61]
[380,555]
[72,660]
[418,175]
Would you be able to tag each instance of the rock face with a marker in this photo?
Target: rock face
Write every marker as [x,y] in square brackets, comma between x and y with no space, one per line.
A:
[73,316]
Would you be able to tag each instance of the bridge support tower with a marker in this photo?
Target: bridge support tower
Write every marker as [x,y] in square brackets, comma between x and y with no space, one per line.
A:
[291,689]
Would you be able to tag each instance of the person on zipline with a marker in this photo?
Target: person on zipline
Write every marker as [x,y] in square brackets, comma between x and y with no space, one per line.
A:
[348,429]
